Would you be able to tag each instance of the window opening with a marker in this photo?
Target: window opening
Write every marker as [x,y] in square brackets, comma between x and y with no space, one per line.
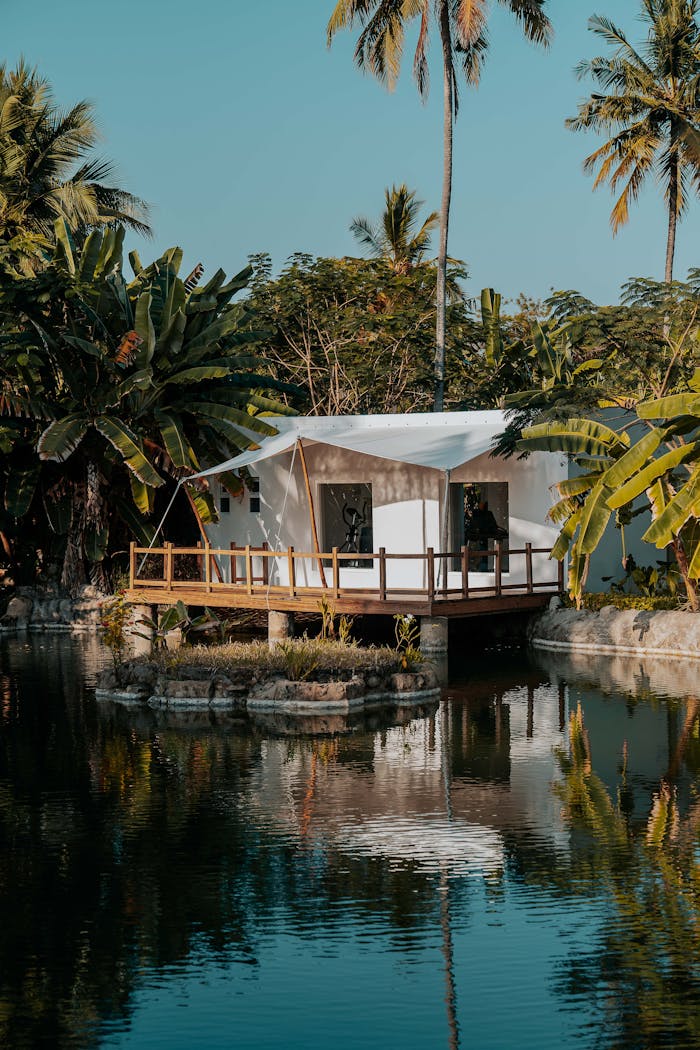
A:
[479,515]
[347,521]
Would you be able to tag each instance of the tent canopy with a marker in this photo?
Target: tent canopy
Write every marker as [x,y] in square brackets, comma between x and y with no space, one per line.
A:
[440,440]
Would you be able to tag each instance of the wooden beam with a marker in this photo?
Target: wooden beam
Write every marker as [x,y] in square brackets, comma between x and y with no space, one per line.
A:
[312,514]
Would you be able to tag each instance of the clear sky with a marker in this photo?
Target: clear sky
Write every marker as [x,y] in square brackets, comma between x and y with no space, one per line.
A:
[246,134]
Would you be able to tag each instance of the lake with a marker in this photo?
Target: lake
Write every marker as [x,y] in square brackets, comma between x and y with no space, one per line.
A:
[519,868]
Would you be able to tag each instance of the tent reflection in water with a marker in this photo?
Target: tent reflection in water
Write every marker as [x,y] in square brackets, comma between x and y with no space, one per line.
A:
[389,481]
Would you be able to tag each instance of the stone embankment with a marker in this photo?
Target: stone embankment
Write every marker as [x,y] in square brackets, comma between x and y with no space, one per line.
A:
[251,693]
[610,630]
[49,608]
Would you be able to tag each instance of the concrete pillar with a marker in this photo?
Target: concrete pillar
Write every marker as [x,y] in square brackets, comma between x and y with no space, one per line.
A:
[280,627]
[433,634]
[140,646]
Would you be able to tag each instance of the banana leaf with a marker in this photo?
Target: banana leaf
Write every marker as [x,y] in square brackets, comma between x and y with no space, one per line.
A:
[143,325]
[143,495]
[62,437]
[656,469]
[666,407]
[20,488]
[205,505]
[674,516]
[126,443]
[95,543]
[575,436]
[142,531]
[595,515]
[175,440]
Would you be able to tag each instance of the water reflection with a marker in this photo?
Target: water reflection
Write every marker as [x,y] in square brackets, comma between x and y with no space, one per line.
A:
[481,875]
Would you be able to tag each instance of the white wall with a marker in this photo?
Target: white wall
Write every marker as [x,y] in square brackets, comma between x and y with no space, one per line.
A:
[406,511]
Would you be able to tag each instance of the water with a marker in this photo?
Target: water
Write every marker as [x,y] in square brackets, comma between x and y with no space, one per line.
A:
[477,878]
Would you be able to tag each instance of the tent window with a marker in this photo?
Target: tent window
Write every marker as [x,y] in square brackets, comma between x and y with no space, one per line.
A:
[479,516]
[346,512]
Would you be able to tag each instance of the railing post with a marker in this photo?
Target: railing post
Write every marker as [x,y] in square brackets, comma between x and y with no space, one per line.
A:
[169,565]
[560,575]
[248,570]
[199,556]
[265,565]
[465,572]
[234,569]
[528,566]
[207,567]
[382,574]
[336,572]
[132,564]
[431,573]
[290,561]
[499,566]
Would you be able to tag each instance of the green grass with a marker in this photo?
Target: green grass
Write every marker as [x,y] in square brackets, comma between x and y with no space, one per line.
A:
[323,658]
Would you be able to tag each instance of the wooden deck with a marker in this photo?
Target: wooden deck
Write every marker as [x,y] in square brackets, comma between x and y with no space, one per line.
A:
[240,578]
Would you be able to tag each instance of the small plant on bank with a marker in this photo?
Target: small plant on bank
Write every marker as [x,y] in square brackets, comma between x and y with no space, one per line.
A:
[329,632]
[300,658]
[117,617]
[407,634]
[327,611]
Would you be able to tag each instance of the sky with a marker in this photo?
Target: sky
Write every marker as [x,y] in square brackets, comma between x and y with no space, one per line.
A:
[247,134]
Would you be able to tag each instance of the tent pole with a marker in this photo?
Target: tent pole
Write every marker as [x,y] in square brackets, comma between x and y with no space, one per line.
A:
[312,515]
[445,529]
[203,532]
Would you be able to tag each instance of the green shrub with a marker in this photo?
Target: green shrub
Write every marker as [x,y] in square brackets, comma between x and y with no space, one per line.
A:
[642,602]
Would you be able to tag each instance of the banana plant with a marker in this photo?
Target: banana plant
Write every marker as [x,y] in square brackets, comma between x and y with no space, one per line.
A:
[553,376]
[134,384]
[620,466]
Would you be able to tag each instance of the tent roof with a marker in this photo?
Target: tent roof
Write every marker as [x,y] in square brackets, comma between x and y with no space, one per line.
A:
[441,440]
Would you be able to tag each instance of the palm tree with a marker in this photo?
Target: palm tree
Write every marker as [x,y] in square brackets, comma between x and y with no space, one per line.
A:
[649,102]
[393,238]
[48,168]
[462,28]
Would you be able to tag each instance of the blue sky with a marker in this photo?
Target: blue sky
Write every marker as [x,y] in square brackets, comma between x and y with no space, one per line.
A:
[247,134]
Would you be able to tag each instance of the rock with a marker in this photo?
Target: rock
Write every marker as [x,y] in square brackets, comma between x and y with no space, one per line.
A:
[373,681]
[19,611]
[187,689]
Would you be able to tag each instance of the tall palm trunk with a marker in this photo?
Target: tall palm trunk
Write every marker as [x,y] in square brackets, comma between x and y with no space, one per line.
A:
[672,215]
[448,115]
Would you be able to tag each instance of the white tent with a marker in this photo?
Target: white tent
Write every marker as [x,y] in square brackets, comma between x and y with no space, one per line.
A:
[441,440]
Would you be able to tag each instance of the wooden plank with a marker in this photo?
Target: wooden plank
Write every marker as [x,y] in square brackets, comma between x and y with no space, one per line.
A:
[168,560]
[528,566]
[430,556]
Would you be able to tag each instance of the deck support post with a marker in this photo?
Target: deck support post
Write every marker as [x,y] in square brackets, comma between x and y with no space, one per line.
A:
[280,627]
[433,634]
[138,645]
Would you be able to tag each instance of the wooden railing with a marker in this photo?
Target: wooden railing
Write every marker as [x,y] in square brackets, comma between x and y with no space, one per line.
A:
[164,567]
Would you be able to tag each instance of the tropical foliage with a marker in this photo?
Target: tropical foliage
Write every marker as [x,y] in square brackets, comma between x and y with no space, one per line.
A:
[617,468]
[357,334]
[395,238]
[113,389]
[48,165]
[462,29]
[648,100]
